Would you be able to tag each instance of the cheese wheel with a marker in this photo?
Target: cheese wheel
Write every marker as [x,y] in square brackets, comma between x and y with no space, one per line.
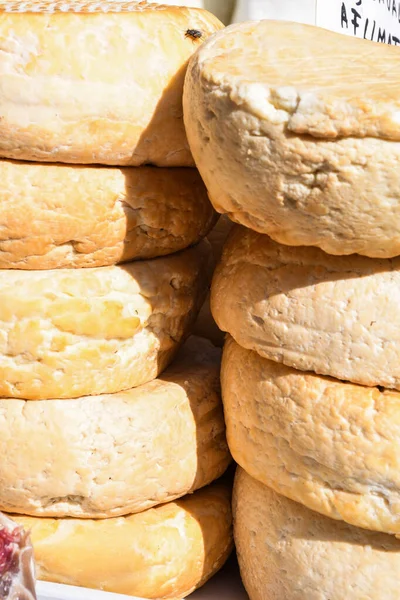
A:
[92,81]
[111,455]
[332,446]
[163,552]
[314,312]
[287,551]
[295,131]
[57,216]
[65,334]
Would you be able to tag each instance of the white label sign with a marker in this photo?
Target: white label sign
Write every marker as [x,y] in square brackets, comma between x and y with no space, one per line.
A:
[375,20]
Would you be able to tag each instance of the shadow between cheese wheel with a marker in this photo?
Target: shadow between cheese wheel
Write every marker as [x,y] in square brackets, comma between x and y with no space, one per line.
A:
[287,551]
[205,324]
[295,140]
[116,454]
[60,216]
[336,316]
[163,552]
[97,82]
[330,445]
[68,333]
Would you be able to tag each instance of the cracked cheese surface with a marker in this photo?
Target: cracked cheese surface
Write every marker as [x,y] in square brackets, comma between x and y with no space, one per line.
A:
[288,551]
[68,333]
[111,455]
[333,315]
[330,445]
[61,216]
[296,133]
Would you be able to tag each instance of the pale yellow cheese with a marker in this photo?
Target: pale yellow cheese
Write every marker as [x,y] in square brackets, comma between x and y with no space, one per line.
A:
[163,552]
[96,81]
[296,133]
[68,333]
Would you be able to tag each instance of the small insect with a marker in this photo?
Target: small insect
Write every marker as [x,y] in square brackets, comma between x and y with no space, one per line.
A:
[195,34]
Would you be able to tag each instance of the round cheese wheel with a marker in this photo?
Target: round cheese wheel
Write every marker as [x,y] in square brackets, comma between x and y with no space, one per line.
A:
[111,455]
[296,131]
[331,445]
[336,316]
[54,216]
[97,82]
[69,333]
[163,552]
[287,551]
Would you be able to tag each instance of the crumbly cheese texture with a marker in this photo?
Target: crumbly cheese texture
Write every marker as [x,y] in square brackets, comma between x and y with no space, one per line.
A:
[296,131]
[68,333]
[163,552]
[111,455]
[332,446]
[60,216]
[336,316]
[96,82]
[287,551]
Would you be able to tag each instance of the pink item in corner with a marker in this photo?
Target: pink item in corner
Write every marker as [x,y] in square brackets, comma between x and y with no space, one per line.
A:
[17,576]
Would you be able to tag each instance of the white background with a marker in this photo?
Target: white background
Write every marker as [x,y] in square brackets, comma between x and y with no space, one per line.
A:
[376,20]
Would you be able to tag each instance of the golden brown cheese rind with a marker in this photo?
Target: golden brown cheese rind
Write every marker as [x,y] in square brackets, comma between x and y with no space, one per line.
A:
[314,312]
[65,334]
[287,551]
[94,82]
[57,216]
[332,446]
[297,140]
[163,552]
[111,455]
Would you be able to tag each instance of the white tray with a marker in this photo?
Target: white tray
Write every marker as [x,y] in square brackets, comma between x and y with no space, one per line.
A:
[226,585]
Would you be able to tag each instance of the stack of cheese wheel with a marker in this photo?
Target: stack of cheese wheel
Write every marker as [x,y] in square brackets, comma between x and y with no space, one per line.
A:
[111,428]
[296,133]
